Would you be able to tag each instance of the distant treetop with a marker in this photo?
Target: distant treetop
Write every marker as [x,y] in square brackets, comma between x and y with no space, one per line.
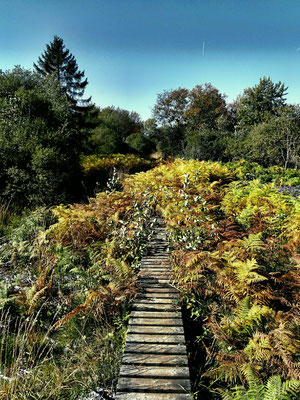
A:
[59,62]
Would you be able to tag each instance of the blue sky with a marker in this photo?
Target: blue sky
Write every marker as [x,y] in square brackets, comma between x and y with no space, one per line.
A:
[131,50]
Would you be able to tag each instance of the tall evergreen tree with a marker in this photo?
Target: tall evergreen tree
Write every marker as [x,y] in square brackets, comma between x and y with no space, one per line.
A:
[58,61]
[260,102]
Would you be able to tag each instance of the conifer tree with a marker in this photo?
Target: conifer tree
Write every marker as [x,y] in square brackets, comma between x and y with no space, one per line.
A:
[58,61]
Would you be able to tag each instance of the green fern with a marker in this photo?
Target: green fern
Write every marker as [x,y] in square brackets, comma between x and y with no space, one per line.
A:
[274,389]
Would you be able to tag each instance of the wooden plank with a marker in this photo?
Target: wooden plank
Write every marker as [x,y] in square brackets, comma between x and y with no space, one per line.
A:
[162,257]
[153,314]
[150,338]
[154,270]
[153,275]
[159,254]
[169,289]
[154,371]
[153,279]
[166,330]
[158,246]
[153,265]
[153,285]
[156,321]
[155,359]
[159,295]
[153,385]
[153,396]
[154,300]
[154,282]
[165,266]
[150,348]
[147,306]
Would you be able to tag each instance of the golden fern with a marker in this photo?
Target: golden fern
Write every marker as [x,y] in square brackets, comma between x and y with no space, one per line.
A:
[246,272]
[252,243]
[92,296]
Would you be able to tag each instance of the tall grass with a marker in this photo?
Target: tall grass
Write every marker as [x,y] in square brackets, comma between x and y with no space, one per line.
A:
[40,364]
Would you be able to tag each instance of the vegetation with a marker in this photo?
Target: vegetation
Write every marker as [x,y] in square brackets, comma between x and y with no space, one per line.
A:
[236,264]
[119,131]
[259,127]
[39,147]
[100,170]
[68,270]
[69,277]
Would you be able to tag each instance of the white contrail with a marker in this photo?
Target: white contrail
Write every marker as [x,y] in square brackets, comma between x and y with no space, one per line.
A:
[298,49]
[203,49]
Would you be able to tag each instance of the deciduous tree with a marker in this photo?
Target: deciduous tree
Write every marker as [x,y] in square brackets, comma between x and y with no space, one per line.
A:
[206,107]
[38,150]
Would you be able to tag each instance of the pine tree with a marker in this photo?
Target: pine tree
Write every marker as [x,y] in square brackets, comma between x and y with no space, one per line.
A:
[58,61]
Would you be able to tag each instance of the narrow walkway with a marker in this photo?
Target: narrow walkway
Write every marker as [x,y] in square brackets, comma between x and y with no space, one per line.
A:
[154,364]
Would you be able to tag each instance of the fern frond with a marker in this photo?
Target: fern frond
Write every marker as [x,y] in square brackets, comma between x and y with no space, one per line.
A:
[93,295]
[252,379]
[253,243]
[273,389]
[246,272]
[291,387]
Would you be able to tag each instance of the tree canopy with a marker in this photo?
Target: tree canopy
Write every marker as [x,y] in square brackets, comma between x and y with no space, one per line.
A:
[206,106]
[39,151]
[260,102]
[113,127]
[181,115]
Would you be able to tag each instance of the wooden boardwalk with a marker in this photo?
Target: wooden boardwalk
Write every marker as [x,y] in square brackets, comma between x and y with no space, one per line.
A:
[154,364]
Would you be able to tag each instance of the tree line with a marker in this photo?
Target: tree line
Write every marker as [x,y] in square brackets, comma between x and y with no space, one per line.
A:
[46,125]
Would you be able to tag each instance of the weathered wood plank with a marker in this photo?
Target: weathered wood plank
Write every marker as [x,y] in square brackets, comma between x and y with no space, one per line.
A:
[151,338]
[164,265]
[153,275]
[155,314]
[154,282]
[154,300]
[153,285]
[156,321]
[158,295]
[153,270]
[155,359]
[153,396]
[170,289]
[150,348]
[155,267]
[149,279]
[154,371]
[153,385]
[147,306]
[166,330]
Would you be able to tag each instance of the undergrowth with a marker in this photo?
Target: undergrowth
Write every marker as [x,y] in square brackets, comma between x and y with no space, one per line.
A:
[69,275]
[236,263]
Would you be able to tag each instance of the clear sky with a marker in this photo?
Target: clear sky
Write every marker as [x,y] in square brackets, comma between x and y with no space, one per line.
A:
[131,50]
